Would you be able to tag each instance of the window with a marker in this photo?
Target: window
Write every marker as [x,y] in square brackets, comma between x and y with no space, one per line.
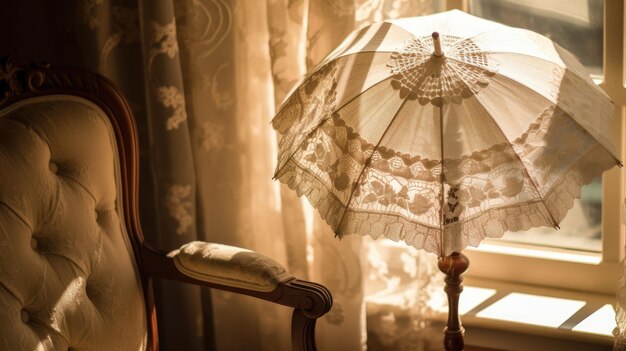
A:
[579,29]
[570,274]
[585,254]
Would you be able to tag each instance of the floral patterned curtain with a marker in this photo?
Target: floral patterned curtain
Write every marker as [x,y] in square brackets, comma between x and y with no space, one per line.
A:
[301,34]
[204,78]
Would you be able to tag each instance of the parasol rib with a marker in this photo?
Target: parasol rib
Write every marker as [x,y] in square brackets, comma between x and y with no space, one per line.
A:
[569,114]
[291,95]
[280,168]
[366,164]
[555,223]
[411,35]
[486,52]
[564,67]
[525,97]
[360,93]
[370,157]
[489,31]
[573,73]
[320,67]
[441,180]
[344,54]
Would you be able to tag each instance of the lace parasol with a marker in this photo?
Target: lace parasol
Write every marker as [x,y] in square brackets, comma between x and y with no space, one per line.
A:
[497,134]
[442,130]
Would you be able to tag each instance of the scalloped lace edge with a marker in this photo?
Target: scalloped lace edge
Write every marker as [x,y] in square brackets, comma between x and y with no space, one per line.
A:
[493,223]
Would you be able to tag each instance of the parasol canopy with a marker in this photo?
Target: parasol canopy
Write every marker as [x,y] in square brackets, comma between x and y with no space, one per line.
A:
[442,130]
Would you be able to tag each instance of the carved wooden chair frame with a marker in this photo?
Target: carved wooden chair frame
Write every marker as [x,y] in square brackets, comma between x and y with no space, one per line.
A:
[309,300]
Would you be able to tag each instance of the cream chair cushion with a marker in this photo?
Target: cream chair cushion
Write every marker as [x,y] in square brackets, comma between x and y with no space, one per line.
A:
[67,274]
[229,265]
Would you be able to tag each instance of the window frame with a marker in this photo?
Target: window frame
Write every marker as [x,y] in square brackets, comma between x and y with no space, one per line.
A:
[541,270]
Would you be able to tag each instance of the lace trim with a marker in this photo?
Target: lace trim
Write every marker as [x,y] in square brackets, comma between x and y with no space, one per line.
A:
[460,234]
[408,163]
[313,102]
[399,196]
[462,72]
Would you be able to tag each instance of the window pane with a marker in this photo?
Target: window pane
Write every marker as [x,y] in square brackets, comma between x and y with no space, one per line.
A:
[578,27]
[580,230]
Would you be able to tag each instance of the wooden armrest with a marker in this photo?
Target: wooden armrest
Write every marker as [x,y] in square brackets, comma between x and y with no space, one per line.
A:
[257,276]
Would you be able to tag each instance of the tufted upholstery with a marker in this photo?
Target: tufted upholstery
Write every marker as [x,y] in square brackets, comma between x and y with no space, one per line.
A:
[75,270]
[66,268]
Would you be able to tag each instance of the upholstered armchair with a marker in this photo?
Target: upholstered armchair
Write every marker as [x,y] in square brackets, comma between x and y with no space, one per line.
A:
[75,270]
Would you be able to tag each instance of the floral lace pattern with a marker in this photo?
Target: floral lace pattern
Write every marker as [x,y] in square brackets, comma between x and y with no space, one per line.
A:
[313,103]
[212,137]
[462,72]
[88,12]
[126,30]
[179,207]
[164,37]
[509,186]
[172,98]
[222,96]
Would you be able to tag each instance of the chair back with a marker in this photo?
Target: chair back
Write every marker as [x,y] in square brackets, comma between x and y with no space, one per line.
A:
[69,279]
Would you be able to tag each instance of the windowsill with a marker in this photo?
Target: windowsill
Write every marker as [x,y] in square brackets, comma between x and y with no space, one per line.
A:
[553,333]
[566,271]
[482,313]
[573,308]
[535,252]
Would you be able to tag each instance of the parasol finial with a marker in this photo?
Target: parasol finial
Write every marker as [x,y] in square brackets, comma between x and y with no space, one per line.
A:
[437,43]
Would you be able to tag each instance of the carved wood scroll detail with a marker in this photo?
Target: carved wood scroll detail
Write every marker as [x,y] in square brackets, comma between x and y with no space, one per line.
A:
[16,80]
[21,82]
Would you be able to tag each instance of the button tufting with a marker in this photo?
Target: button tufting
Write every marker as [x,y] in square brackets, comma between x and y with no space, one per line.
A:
[53,167]
[33,243]
[102,215]
[24,316]
[89,292]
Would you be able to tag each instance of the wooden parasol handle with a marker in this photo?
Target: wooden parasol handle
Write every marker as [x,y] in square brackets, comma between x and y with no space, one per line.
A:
[453,267]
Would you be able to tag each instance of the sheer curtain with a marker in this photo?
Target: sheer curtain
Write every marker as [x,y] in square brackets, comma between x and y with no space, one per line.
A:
[204,78]
[301,34]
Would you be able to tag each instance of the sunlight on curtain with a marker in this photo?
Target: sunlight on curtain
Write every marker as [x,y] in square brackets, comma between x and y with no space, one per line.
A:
[205,78]
[302,33]
[227,70]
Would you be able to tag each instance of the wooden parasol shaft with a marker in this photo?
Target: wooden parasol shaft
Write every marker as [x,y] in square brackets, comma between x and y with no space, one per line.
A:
[453,267]
[438,51]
